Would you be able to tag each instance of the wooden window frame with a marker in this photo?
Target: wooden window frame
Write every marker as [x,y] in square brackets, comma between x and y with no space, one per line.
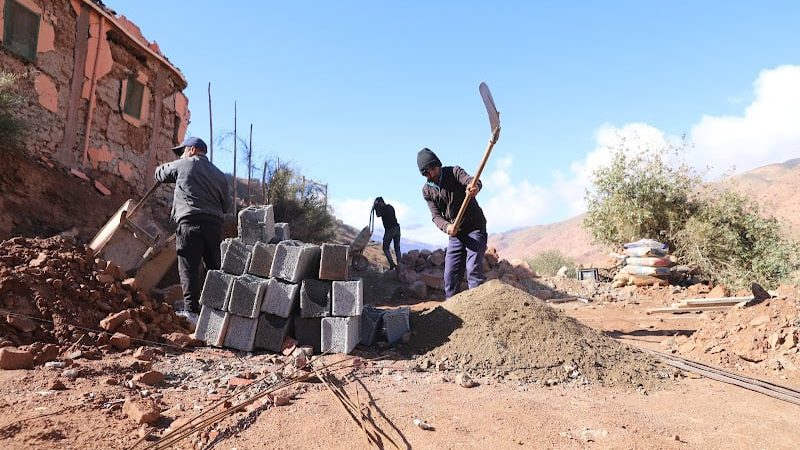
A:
[11,8]
[133,83]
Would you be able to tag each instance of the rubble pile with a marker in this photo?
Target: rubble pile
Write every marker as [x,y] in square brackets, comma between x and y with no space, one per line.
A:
[271,288]
[421,270]
[765,335]
[500,331]
[53,292]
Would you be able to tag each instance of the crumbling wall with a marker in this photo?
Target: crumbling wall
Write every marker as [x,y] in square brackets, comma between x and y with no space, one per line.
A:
[62,103]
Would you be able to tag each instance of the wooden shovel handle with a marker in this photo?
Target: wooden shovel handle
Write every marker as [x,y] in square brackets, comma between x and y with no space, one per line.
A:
[475,179]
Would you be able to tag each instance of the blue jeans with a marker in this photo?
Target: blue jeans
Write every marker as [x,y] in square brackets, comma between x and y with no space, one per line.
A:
[464,252]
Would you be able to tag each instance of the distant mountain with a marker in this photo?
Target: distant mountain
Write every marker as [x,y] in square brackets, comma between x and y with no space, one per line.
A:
[774,187]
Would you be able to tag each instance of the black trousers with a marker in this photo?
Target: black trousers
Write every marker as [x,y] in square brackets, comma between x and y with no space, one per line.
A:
[389,236]
[196,240]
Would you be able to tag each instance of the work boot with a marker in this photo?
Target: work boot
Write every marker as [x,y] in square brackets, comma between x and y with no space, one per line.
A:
[190,317]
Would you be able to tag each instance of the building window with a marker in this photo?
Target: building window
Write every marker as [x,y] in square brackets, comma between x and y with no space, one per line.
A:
[21,30]
[133,98]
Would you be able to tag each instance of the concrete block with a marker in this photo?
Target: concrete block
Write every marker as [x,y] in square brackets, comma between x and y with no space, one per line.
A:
[261,257]
[333,262]
[281,299]
[309,332]
[241,333]
[247,293]
[271,332]
[282,232]
[212,326]
[347,298]
[256,224]
[340,334]
[237,253]
[216,289]
[315,298]
[395,323]
[371,323]
[295,261]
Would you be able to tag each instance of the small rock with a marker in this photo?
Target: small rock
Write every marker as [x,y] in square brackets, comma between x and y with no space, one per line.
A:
[280,401]
[21,323]
[113,321]
[181,340]
[55,364]
[141,411]
[150,378]
[465,381]
[424,425]
[144,354]
[57,385]
[109,381]
[70,374]
[120,341]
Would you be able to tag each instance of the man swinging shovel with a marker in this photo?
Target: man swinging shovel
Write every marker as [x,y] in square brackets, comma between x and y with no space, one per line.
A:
[450,193]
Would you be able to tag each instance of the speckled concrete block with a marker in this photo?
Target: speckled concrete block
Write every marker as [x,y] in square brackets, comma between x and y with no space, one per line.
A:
[281,298]
[216,289]
[315,298]
[247,293]
[256,224]
[295,261]
[309,332]
[347,298]
[333,262]
[395,323]
[212,326]
[241,333]
[237,253]
[340,334]
[282,232]
[261,257]
[271,332]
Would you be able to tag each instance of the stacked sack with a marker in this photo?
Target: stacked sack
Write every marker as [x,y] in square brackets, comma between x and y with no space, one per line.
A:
[647,262]
[270,287]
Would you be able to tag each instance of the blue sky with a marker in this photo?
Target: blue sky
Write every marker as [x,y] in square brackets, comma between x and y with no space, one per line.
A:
[350,91]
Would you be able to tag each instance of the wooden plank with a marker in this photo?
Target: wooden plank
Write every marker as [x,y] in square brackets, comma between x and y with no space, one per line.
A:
[686,310]
[70,139]
[703,301]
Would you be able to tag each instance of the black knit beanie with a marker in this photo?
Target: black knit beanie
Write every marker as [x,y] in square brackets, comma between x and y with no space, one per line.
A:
[426,159]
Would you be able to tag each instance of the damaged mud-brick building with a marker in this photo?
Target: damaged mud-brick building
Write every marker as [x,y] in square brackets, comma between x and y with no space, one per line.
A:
[101,98]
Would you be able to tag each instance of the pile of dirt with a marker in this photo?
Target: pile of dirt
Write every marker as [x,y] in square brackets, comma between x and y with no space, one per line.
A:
[765,335]
[500,331]
[52,291]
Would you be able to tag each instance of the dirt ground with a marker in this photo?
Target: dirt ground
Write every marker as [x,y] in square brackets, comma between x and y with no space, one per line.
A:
[689,412]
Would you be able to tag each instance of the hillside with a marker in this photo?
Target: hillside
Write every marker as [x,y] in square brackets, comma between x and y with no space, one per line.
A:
[773,186]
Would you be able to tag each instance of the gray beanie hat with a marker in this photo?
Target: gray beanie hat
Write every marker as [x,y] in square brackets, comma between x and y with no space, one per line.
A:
[426,159]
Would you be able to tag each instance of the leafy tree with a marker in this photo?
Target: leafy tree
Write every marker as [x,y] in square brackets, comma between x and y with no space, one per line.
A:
[641,195]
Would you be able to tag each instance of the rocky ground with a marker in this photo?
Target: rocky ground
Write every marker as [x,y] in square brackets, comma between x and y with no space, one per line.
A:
[91,362]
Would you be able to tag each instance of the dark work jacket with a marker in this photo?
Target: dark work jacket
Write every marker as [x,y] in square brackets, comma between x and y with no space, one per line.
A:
[445,198]
[201,190]
[386,213]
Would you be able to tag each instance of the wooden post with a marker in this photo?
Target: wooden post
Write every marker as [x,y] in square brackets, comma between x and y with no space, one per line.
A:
[264,184]
[235,138]
[210,127]
[250,166]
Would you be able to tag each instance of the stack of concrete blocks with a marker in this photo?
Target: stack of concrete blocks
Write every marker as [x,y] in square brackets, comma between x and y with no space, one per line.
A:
[330,307]
[231,297]
[266,292]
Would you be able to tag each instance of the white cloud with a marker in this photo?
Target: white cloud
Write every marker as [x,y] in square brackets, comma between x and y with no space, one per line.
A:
[766,132]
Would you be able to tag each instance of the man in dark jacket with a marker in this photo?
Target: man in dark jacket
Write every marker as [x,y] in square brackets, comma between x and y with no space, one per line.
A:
[199,204]
[391,229]
[445,191]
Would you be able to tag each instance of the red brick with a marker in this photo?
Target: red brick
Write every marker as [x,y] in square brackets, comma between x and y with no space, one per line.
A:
[13,358]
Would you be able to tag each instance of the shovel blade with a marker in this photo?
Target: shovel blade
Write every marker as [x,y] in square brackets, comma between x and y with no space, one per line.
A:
[488,101]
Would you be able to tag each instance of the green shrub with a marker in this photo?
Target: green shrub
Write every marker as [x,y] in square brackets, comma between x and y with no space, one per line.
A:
[548,262]
[11,127]
[730,241]
[720,232]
